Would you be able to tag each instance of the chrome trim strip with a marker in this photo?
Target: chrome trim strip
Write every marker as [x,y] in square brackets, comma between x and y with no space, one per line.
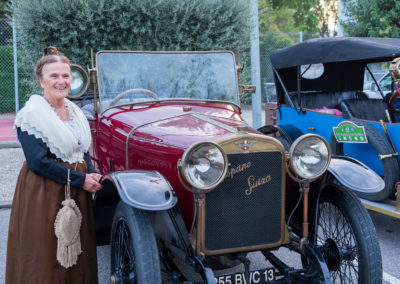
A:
[177,100]
[214,122]
[156,142]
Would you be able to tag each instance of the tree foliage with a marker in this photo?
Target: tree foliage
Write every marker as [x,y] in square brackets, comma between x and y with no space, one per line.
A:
[304,12]
[372,18]
[281,21]
[3,4]
[275,21]
[76,26]
[328,13]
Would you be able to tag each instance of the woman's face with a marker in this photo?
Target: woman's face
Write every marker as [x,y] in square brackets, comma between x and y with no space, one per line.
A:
[56,80]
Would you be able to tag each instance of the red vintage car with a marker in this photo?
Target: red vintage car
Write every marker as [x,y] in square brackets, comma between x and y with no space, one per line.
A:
[190,188]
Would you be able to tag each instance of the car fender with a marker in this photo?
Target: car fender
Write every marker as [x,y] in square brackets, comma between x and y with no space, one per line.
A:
[355,175]
[290,132]
[146,190]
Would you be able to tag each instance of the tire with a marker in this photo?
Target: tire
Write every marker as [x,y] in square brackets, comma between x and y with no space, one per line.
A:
[344,225]
[381,146]
[134,253]
[286,144]
[283,134]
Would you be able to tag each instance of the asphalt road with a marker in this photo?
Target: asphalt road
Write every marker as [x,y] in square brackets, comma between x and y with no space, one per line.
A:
[388,229]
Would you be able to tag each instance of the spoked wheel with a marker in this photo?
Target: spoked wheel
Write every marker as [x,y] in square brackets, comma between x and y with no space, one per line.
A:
[124,254]
[134,255]
[346,238]
[337,244]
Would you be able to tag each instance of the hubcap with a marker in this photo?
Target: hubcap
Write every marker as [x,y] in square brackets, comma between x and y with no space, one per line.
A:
[332,255]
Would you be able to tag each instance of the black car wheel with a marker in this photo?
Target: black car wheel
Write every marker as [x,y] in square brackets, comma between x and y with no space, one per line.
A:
[347,239]
[134,253]
[286,144]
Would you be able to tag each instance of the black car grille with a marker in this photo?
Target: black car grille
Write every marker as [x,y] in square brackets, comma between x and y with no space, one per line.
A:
[234,219]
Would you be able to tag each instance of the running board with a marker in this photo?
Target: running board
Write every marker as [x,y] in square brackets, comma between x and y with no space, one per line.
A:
[386,207]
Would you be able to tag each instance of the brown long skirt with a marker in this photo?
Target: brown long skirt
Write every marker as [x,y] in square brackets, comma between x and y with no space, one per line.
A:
[32,244]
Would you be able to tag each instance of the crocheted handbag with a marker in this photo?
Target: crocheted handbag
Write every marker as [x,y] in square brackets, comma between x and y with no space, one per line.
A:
[67,229]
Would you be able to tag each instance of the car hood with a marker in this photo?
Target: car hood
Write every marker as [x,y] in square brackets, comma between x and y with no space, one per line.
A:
[176,124]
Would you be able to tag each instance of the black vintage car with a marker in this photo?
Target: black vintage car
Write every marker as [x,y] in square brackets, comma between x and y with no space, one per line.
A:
[190,188]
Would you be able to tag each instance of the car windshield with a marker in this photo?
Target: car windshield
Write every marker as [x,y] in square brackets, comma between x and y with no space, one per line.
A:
[131,77]
[381,74]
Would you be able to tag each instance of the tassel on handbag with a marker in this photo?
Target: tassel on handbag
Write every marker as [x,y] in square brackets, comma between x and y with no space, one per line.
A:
[67,229]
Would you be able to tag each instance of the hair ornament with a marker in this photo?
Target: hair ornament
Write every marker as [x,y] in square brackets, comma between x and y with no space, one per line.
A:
[51,50]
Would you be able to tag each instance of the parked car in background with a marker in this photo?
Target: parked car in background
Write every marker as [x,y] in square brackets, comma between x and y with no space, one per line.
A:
[385,83]
[333,104]
[190,188]
[270,92]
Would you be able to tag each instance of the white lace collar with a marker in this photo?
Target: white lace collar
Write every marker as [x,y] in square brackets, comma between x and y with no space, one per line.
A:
[38,118]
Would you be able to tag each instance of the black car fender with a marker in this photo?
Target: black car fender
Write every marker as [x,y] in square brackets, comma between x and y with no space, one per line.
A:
[288,131]
[355,175]
[150,191]
[145,190]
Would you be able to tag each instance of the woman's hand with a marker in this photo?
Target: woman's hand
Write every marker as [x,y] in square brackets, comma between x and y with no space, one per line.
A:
[91,183]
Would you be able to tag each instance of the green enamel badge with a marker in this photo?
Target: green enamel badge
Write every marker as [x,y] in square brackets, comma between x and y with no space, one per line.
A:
[349,132]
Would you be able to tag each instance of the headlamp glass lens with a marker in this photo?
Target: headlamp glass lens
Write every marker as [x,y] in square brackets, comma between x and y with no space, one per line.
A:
[77,82]
[204,166]
[310,157]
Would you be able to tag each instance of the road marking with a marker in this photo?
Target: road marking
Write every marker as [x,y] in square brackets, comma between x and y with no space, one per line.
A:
[391,279]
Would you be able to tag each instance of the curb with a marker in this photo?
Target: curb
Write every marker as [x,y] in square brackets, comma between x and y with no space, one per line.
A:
[5,204]
[9,144]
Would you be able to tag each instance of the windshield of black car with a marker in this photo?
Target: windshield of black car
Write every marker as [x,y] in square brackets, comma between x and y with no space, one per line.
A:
[380,72]
[130,77]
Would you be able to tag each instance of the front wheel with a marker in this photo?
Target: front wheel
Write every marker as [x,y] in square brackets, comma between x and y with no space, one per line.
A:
[346,238]
[134,253]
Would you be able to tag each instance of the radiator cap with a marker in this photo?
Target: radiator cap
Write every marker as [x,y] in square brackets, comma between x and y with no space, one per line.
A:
[243,129]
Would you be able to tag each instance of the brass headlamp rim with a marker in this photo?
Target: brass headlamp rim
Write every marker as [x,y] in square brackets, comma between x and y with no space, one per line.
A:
[292,169]
[86,82]
[196,187]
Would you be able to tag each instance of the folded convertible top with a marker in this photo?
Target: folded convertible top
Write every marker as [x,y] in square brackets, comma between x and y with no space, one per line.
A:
[325,50]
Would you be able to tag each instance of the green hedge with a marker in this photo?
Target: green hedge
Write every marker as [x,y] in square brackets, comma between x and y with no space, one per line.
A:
[6,79]
[76,26]
[7,90]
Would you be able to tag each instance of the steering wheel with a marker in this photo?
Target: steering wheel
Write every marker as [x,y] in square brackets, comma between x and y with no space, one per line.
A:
[133,91]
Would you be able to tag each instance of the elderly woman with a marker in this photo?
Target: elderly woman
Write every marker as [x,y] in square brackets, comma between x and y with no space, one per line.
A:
[55,138]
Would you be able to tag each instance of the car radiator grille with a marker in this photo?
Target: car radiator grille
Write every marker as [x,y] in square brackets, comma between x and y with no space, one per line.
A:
[238,216]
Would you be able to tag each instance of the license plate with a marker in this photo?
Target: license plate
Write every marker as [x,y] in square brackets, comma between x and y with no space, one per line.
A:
[256,277]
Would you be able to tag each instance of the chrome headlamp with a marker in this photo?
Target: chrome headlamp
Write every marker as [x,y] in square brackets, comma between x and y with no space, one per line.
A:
[80,81]
[309,156]
[204,166]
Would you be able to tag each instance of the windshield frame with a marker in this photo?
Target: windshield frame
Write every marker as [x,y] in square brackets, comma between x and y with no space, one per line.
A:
[102,110]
